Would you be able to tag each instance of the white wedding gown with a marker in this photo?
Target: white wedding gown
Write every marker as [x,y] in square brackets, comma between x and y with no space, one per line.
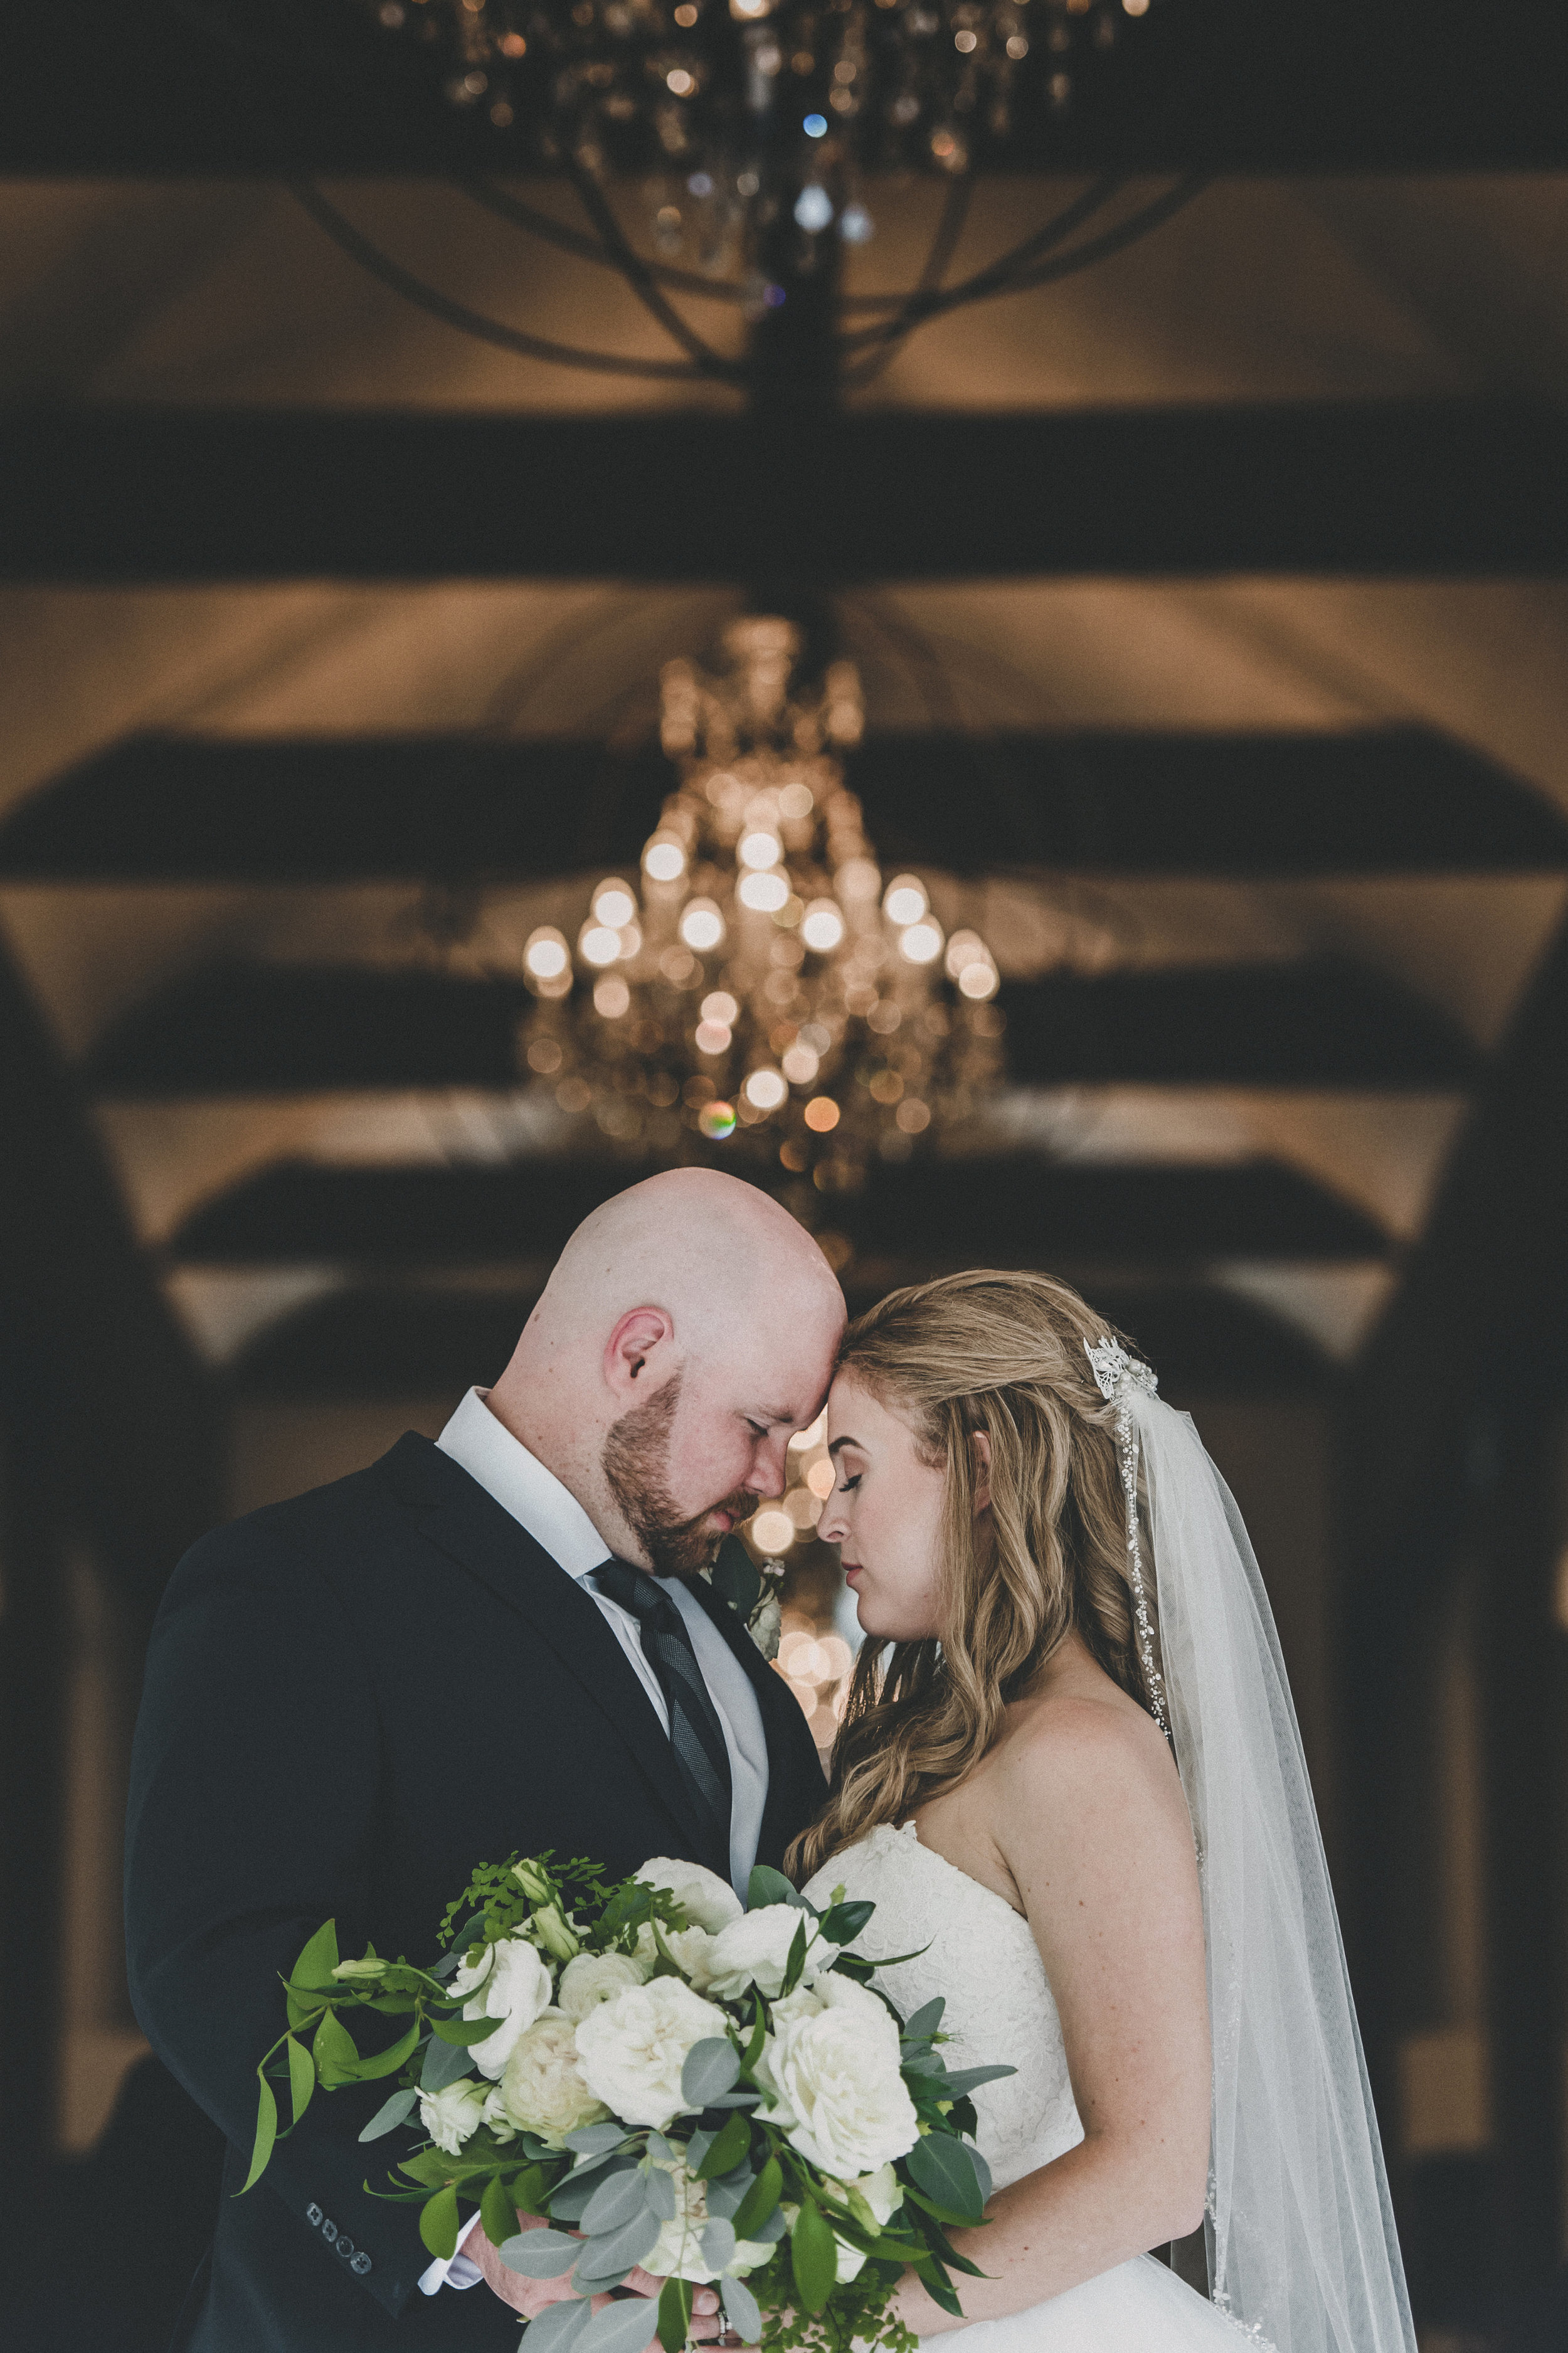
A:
[981,1956]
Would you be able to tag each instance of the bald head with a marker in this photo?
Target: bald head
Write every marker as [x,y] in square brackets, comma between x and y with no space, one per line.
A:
[687,1329]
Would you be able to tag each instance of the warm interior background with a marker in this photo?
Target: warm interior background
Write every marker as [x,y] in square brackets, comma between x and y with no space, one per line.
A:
[1239,724]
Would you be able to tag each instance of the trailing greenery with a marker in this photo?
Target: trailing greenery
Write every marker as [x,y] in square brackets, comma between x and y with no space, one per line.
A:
[727,2178]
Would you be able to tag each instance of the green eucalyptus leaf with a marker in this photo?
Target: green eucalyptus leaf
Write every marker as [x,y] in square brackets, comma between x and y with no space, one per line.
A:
[925,2022]
[443,2066]
[742,2310]
[537,2254]
[768,1887]
[943,2167]
[713,2068]
[390,2114]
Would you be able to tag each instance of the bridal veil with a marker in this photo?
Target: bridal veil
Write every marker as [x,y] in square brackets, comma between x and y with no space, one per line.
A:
[1301,2244]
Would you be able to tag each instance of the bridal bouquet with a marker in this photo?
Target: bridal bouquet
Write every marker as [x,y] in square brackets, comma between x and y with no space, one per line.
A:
[717,2094]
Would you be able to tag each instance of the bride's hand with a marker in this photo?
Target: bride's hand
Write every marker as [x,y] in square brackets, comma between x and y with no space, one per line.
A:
[531,2296]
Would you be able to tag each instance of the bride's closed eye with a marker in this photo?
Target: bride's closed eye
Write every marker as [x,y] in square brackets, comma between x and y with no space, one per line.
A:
[846,1485]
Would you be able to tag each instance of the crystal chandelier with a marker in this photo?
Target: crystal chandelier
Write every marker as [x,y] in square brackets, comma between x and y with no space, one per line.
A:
[751,117]
[760,990]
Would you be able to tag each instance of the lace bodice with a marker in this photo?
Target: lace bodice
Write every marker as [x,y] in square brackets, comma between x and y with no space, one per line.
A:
[981,1956]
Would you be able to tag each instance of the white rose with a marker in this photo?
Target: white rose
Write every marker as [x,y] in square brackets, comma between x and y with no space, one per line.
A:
[688,1948]
[634,2048]
[451,2115]
[708,1901]
[833,2062]
[678,2251]
[755,1950]
[514,1988]
[594,1978]
[544,2090]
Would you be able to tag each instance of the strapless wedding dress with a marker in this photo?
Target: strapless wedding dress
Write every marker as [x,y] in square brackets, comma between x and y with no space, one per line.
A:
[981,1957]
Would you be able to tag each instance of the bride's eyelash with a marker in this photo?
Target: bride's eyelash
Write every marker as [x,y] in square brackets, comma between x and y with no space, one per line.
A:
[850,1484]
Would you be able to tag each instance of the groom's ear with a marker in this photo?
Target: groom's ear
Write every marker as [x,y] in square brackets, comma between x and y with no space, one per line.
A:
[639,1347]
[981,1442]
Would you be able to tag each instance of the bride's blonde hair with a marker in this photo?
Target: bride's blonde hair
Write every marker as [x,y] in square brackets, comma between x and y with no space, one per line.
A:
[1003,1353]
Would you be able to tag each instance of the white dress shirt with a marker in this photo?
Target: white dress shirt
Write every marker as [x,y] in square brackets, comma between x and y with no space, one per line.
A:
[556,1521]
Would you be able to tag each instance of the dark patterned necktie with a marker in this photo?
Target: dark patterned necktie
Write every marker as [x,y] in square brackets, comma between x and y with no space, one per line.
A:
[696,1735]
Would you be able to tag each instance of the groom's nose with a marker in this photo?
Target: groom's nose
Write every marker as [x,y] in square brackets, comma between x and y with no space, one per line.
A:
[767,1475]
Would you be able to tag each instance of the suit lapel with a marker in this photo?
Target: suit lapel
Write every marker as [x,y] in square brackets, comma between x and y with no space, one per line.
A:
[456,1513]
[796,1786]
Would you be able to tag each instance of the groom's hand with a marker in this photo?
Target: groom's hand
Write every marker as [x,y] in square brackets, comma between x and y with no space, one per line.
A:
[529,2296]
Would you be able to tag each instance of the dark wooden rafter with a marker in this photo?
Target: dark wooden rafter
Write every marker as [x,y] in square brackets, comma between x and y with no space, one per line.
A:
[1029,1215]
[1368,488]
[1450,1435]
[1393,800]
[288,1030]
[388,1341]
[1348,85]
[118,1421]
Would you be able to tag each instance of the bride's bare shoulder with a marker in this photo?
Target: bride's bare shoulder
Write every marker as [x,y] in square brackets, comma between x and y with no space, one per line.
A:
[1080,1738]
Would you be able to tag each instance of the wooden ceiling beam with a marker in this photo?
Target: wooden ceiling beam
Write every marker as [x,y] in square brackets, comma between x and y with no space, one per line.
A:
[385,1341]
[1029,1213]
[287,1029]
[1370,490]
[1382,800]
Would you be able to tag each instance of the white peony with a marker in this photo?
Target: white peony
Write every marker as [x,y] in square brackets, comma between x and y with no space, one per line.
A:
[708,1901]
[832,2066]
[450,2116]
[512,1985]
[678,2251]
[634,2048]
[755,1950]
[544,2090]
[690,1948]
[594,1978]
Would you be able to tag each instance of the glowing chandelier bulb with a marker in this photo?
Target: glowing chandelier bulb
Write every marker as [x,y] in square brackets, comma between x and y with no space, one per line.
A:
[664,859]
[614,904]
[906,900]
[822,927]
[702,925]
[920,943]
[759,850]
[597,944]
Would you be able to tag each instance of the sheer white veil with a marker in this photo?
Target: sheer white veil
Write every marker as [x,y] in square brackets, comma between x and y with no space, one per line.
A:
[1301,2244]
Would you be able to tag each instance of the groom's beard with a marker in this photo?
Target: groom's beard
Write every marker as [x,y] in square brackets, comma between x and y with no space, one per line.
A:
[636,1465]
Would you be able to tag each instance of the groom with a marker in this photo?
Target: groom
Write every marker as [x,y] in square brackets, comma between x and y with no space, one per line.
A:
[487,1643]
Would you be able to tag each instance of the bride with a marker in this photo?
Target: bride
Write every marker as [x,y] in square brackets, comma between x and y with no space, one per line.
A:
[1075,1780]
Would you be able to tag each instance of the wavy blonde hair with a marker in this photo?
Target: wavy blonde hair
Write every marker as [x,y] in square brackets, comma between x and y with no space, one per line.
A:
[1003,1353]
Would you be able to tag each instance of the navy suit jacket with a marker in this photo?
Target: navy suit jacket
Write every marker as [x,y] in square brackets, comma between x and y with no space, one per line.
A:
[351,1699]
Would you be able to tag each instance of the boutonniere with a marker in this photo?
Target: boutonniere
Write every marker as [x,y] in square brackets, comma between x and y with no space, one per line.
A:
[751,1592]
